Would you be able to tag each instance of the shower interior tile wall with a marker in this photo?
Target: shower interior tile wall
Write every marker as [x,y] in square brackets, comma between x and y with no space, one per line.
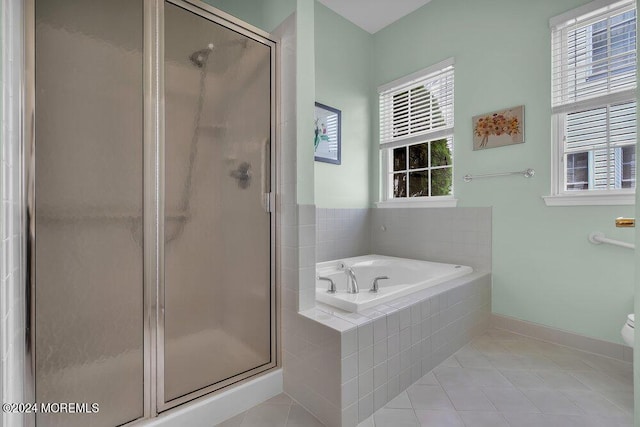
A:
[451,235]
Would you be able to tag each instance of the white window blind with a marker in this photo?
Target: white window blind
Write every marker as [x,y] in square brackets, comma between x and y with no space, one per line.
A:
[417,107]
[593,96]
[594,58]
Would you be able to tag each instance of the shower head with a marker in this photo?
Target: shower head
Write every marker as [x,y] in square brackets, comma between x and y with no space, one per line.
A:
[200,57]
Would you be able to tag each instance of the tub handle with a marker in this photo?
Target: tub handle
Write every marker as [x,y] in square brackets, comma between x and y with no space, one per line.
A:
[332,286]
[374,287]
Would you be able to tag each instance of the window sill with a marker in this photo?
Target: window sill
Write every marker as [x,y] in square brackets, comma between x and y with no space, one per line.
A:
[590,199]
[444,202]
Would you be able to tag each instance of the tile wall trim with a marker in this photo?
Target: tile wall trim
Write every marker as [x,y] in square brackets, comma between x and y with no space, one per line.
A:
[564,338]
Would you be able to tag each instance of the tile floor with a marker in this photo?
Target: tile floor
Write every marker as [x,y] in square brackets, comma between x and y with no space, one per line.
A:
[499,379]
[279,411]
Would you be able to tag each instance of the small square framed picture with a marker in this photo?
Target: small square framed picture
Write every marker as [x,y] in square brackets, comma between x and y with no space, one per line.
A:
[327,138]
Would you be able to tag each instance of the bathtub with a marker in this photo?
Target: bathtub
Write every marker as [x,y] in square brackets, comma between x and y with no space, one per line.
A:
[406,276]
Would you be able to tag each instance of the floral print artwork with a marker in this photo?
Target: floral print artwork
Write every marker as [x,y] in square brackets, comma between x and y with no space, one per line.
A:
[500,128]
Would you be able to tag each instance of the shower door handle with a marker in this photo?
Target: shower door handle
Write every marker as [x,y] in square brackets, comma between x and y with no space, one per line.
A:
[268,198]
[268,201]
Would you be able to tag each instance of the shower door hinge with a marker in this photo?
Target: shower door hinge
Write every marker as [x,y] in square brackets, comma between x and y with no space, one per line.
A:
[268,201]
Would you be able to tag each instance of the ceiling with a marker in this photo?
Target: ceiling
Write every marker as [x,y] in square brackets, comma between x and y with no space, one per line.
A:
[373,15]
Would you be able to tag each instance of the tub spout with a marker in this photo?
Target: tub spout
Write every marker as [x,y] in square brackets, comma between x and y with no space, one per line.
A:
[352,283]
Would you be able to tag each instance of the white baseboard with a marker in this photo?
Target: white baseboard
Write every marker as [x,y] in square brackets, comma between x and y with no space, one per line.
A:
[566,338]
[211,411]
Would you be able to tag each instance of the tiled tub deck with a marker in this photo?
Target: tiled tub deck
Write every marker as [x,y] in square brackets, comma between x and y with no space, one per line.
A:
[357,362]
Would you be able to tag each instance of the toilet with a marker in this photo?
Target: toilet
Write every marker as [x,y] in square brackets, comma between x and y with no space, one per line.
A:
[627,330]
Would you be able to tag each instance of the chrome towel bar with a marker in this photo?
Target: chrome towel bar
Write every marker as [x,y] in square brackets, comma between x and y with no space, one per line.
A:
[527,173]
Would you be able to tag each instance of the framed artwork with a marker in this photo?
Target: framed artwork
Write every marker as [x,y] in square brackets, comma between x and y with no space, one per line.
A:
[499,128]
[326,142]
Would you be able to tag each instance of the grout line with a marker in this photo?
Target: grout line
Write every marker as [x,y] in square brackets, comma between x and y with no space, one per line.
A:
[286,421]
[244,415]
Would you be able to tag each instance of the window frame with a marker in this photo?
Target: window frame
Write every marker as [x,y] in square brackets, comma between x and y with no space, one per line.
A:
[386,149]
[560,196]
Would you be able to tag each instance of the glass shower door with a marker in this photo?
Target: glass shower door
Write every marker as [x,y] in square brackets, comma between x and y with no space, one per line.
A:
[88,210]
[217,297]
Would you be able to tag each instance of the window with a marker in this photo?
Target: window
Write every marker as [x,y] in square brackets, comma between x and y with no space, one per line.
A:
[416,135]
[594,101]
[621,31]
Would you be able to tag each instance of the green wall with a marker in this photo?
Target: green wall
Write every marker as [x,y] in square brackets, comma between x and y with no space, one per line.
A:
[343,56]
[305,96]
[544,269]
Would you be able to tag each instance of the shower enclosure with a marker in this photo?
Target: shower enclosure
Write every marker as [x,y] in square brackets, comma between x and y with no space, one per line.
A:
[149,168]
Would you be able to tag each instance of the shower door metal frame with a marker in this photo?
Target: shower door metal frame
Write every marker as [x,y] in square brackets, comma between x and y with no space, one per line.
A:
[153,187]
[28,201]
[233,24]
[153,201]
[28,206]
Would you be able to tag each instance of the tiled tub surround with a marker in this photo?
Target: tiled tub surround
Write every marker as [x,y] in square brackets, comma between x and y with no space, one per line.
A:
[342,233]
[360,361]
[449,235]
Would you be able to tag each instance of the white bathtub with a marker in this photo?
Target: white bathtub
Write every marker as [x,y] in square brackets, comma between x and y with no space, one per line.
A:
[406,276]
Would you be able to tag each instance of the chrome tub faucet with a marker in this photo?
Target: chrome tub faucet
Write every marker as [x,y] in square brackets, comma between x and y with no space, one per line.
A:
[332,286]
[375,287]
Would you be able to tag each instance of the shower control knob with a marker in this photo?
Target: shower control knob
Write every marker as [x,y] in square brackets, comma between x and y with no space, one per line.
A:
[243,174]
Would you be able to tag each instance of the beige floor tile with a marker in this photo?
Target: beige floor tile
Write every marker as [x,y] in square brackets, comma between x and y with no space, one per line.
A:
[483,419]
[561,380]
[546,420]
[428,397]
[509,400]
[233,422]
[367,423]
[281,399]
[433,418]
[387,417]
[299,417]
[524,379]
[486,378]
[552,402]
[400,402]
[469,399]
[600,381]
[428,379]
[594,403]
[266,415]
